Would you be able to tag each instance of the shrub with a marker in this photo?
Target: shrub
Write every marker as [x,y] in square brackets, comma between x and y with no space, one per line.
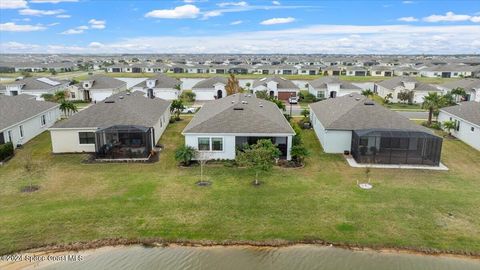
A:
[184,154]
[299,152]
[307,97]
[6,150]
[188,96]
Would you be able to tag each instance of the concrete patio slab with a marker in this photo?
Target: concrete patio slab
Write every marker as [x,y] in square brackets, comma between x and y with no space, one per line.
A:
[353,163]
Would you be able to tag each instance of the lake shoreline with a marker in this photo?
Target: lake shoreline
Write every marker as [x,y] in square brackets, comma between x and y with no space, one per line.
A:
[157,242]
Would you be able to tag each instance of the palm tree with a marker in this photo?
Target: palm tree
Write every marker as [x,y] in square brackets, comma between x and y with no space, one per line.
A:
[185,154]
[367,93]
[449,125]
[68,107]
[458,92]
[432,102]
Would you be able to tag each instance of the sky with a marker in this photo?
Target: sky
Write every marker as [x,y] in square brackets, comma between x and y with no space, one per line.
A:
[229,26]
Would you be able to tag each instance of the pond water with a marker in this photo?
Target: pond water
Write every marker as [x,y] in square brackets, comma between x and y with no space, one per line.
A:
[232,258]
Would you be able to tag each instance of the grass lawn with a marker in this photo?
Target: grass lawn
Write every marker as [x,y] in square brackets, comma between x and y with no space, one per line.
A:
[81,202]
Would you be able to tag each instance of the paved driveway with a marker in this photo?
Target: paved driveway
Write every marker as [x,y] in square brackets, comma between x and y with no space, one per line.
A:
[414,115]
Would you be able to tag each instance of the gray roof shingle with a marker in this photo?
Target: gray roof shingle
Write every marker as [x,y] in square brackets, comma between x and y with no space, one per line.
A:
[322,82]
[209,83]
[350,113]
[469,111]
[34,83]
[466,84]
[222,116]
[126,109]
[14,109]
[282,82]
[104,82]
[162,81]
[398,81]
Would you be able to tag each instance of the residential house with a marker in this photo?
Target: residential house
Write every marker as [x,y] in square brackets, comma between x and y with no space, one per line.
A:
[332,71]
[404,84]
[331,87]
[405,71]
[97,88]
[23,117]
[372,133]
[123,126]
[34,86]
[223,125]
[448,71]
[210,89]
[381,71]
[471,87]
[161,86]
[356,71]
[277,87]
[466,116]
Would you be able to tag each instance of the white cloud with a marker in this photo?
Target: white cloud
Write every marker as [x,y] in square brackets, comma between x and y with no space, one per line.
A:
[475,19]
[53,24]
[277,3]
[63,16]
[339,39]
[73,31]
[51,1]
[233,4]
[37,12]
[97,24]
[408,2]
[278,21]
[448,17]
[13,27]
[236,22]
[213,13]
[408,19]
[180,12]
[13,4]
[96,45]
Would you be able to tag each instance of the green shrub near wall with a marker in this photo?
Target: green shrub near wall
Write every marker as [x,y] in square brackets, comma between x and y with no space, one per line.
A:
[6,150]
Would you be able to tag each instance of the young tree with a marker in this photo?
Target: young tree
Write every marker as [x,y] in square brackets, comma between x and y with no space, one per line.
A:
[176,108]
[68,107]
[387,98]
[367,93]
[305,113]
[232,86]
[449,125]
[202,158]
[184,154]
[459,93]
[259,157]
[431,102]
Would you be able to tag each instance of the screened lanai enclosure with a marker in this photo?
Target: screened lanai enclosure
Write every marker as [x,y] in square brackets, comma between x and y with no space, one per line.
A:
[396,147]
[124,142]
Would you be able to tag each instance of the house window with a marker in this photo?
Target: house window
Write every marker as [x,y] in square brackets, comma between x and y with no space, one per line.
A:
[378,72]
[72,94]
[204,144]
[217,144]
[43,120]
[321,94]
[86,137]
[21,131]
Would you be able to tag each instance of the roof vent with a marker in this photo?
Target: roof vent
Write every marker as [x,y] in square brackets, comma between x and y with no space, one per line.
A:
[121,97]
[350,95]
[109,101]
[369,103]
[357,99]
[233,101]
[238,109]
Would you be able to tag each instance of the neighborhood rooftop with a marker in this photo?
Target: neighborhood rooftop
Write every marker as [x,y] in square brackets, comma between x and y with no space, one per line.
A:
[468,111]
[161,81]
[239,114]
[120,109]
[399,81]
[208,83]
[15,109]
[321,83]
[282,83]
[356,112]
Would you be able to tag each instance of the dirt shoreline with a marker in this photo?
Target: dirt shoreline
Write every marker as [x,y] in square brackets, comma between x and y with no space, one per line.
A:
[158,242]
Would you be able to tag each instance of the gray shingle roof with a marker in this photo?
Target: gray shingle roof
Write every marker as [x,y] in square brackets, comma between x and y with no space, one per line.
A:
[350,113]
[322,82]
[208,83]
[133,109]
[469,111]
[220,116]
[14,109]
[162,81]
[105,82]
[33,83]
[467,84]
[398,81]
[282,82]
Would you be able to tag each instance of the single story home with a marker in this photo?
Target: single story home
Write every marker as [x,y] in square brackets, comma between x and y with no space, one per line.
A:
[397,85]
[466,116]
[123,126]
[34,86]
[372,133]
[471,87]
[23,117]
[210,89]
[161,86]
[381,71]
[97,88]
[448,71]
[277,87]
[331,87]
[223,125]
[356,71]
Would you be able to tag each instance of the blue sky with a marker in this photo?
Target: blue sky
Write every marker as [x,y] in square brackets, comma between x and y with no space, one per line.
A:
[208,26]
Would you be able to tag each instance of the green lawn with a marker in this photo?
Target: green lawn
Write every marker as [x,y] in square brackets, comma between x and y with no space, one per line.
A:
[81,202]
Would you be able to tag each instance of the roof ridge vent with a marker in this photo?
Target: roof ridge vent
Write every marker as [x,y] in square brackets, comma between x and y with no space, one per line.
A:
[357,99]
[368,103]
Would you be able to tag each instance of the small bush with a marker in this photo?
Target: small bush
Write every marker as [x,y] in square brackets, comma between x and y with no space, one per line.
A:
[6,150]
[307,97]
[188,96]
